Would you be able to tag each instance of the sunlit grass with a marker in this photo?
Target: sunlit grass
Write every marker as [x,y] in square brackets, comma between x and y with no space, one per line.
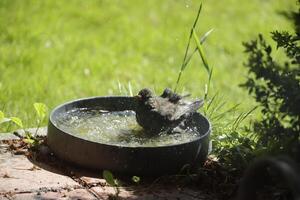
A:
[54,51]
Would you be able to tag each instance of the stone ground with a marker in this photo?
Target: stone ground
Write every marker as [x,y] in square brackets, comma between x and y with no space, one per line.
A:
[25,178]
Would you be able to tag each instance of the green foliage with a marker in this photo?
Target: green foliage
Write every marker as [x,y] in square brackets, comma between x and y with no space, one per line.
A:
[199,48]
[41,110]
[3,119]
[109,178]
[80,49]
[204,60]
[201,51]
[17,121]
[276,88]
[202,40]
[232,144]
[29,138]
[136,179]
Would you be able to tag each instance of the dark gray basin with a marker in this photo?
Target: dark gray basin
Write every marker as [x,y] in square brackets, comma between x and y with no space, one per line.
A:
[128,160]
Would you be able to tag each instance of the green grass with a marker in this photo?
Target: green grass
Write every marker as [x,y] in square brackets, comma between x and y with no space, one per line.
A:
[55,51]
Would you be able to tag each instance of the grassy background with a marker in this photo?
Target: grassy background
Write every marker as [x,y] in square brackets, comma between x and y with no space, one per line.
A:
[55,51]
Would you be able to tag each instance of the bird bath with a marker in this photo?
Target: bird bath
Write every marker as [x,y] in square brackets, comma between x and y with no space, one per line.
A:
[102,133]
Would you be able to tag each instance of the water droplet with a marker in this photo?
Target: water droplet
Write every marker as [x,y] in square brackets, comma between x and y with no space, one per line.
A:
[86,71]
[48,44]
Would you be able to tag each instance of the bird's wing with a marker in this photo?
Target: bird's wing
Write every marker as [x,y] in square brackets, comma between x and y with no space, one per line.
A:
[186,108]
[163,106]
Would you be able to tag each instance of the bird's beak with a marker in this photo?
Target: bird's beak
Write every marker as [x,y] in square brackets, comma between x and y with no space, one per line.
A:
[137,97]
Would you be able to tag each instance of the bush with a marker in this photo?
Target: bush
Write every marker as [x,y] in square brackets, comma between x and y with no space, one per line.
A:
[276,88]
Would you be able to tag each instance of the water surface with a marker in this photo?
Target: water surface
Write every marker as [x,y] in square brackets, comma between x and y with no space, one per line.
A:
[119,128]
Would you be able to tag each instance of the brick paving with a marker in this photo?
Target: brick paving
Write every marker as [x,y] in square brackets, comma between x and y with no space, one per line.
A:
[22,178]
[18,174]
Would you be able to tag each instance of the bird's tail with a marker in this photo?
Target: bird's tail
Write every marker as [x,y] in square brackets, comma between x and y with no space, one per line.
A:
[196,105]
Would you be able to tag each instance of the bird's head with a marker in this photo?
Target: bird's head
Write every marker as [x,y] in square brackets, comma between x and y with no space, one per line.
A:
[167,93]
[144,94]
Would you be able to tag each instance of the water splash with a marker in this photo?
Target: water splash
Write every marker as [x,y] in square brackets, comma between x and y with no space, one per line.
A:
[118,128]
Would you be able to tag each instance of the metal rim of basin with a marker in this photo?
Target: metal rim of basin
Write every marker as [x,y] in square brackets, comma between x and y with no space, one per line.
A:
[123,159]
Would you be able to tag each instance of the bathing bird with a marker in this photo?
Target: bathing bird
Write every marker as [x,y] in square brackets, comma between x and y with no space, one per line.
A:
[166,112]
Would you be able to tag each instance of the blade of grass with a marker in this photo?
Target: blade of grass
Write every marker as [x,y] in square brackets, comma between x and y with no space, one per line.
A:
[119,87]
[208,84]
[202,40]
[201,51]
[211,101]
[248,113]
[130,89]
[217,108]
[221,115]
[244,116]
[187,47]
[234,124]
[188,59]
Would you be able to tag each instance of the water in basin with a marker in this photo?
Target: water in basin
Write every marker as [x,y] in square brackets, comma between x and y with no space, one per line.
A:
[119,128]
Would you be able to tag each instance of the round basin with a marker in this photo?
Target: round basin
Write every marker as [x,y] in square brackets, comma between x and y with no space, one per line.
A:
[137,160]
